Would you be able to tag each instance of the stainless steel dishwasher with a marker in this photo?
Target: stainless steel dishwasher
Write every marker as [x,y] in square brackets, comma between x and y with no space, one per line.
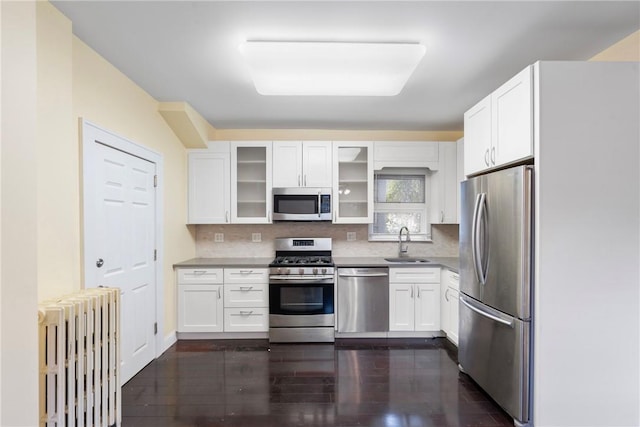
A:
[363,299]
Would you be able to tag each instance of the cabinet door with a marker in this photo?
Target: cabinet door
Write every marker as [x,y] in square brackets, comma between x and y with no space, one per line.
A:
[454,315]
[251,182]
[401,307]
[353,182]
[200,308]
[444,185]
[477,135]
[512,116]
[427,307]
[316,161]
[209,189]
[287,163]
[444,302]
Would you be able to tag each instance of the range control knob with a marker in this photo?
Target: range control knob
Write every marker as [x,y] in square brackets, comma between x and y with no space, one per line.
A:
[287,271]
[324,271]
[301,271]
[315,271]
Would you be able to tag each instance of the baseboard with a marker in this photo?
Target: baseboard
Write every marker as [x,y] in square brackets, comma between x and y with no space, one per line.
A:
[169,340]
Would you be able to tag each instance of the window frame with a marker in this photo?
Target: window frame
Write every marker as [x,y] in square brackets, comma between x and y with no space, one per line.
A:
[404,207]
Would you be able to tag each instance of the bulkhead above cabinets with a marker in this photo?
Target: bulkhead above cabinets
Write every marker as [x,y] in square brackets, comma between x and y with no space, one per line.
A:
[406,154]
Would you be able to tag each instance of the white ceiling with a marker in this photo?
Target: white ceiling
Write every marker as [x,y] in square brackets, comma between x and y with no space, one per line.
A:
[188,51]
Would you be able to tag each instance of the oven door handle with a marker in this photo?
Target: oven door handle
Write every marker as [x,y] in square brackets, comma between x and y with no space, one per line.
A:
[300,281]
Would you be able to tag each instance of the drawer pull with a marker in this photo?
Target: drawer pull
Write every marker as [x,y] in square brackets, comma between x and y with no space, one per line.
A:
[246,271]
[246,288]
[245,313]
[199,272]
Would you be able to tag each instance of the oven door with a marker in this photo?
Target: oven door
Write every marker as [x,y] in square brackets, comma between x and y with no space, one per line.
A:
[303,302]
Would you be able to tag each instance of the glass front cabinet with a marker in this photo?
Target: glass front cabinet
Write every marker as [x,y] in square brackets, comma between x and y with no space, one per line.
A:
[251,182]
[353,182]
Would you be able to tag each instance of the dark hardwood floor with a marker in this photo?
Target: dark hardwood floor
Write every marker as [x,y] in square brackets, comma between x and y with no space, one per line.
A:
[386,383]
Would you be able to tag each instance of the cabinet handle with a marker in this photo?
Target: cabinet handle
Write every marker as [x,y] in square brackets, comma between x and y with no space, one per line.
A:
[486,158]
[226,216]
[299,181]
[441,216]
[246,271]
[446,294]
[305,180]
[418,292]
[219,293]
[493,155]
[199,272]
[246,288]
[411,291]
[245,313]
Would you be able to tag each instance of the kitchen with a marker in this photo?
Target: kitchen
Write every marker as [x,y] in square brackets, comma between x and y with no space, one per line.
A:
[48,224]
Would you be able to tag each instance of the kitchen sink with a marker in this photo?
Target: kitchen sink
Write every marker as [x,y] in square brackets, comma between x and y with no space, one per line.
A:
[407,260]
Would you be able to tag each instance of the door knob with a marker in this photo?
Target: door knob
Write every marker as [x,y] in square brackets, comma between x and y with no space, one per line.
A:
[99,262]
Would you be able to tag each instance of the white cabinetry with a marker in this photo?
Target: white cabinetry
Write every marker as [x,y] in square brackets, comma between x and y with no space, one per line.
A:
[200,307]
[406,154]
[450,291]
[209,189]
[302,164]
[251,182]
[246,300]
[498,130]
[414,299]
[353,182]
[444,183]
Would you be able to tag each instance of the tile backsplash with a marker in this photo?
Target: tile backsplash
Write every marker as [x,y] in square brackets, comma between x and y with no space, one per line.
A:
[238,240]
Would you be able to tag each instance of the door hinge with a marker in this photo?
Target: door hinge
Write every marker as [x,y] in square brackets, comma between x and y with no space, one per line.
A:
[155,254]
[155,328]
[155,180]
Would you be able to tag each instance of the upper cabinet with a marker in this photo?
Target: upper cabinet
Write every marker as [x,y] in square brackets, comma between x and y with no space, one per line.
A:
[444,186]
[499,129]
[353,182]
[302,164]
[406,154]
[209,190]
[251,182]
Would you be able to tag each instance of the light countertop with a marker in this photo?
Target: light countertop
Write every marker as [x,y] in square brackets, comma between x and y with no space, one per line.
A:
[451,263]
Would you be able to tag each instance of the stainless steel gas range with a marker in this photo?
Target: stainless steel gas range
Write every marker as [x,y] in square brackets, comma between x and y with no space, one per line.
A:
[301,291]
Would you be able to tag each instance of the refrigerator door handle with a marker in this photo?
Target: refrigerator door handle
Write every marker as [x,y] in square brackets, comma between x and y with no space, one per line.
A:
[475,238]
[485,314]
[483,266]
[474,243]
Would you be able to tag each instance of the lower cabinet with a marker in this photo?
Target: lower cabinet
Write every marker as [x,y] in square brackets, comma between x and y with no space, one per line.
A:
[200,300]
[223,300]
[450,309]
[414,299]
[246,300]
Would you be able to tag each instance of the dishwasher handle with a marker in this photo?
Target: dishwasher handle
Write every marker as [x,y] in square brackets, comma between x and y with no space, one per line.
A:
[363,274]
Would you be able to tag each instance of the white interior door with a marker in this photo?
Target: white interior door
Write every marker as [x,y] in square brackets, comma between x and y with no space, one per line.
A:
[120,245]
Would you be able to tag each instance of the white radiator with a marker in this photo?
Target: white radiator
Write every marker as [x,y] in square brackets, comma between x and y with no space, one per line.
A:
[80,360]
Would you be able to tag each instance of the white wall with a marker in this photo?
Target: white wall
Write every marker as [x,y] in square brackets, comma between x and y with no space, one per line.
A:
[587,282]
[18,282]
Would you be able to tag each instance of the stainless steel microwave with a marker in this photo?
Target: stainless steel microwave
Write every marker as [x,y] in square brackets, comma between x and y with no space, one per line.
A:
[302,204]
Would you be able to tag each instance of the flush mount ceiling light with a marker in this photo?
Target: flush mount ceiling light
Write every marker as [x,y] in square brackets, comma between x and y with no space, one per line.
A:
[330,68]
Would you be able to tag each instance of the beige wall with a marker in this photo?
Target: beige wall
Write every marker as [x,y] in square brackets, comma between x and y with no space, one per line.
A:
[107,98]
[18,206]
[57,161]
[627,49]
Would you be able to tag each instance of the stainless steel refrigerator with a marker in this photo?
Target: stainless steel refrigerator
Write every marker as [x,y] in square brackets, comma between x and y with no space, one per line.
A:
[495,284]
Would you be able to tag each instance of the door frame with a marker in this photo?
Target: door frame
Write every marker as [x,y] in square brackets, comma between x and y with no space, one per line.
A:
[89,133]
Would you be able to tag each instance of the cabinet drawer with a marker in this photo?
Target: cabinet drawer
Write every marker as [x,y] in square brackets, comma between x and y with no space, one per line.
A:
[246,319]
[191,276]
[246,295]
[414,275]
[246,275]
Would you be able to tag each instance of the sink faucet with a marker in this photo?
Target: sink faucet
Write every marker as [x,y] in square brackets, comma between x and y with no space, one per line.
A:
[403,249]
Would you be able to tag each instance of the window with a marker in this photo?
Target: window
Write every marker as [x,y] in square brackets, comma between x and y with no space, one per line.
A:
[400,199]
